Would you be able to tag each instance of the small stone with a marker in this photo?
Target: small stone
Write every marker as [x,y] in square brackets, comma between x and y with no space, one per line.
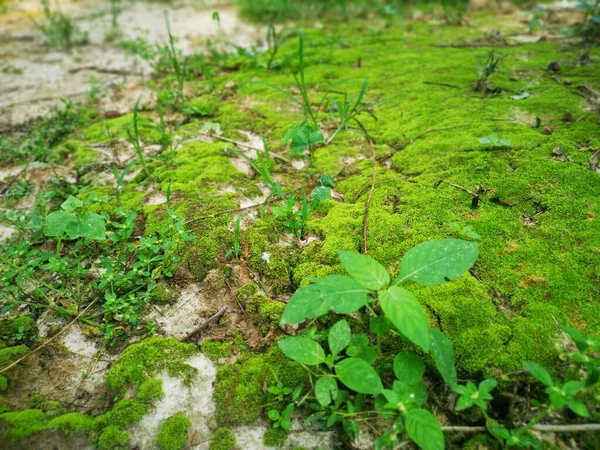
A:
[553,66]
[230,85]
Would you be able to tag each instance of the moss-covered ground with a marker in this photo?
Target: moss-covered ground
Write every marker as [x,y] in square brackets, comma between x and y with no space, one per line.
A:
[535,204]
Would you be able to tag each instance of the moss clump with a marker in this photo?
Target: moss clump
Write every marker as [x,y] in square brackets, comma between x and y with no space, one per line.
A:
[125,412]
[275,437]
[20,329]
[239,395]
[216,350]
[202,106]
[71,423]
[110,130]
[173,433]
[22,424]
[222,439]
[148,357]
[9,354]
[163,294]
[3,383]
[113,438]
[245,292]
[254,303]
[150,390]
[481,441]
[272,311]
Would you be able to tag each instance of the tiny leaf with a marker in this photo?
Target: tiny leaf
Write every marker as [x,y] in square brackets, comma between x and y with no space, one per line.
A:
[339,337]
[539,373]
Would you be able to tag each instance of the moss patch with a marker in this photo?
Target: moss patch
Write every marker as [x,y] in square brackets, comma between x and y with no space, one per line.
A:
[222,439]
[173,433]
[216,350]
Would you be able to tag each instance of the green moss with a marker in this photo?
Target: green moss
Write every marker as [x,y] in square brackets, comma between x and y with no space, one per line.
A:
[10,354]
[22,424]
[173,433]
[272,311]
[164,294]
[216,350]
[205,105]
[239,395]
[79,152]
[19,329]
[125,412]
[110,130]
[71,423]
[254,303]
[222,439]
[245,292]
[275,437]
[113,438]
[148,357]
[150,390]
[3,383]
[481,441]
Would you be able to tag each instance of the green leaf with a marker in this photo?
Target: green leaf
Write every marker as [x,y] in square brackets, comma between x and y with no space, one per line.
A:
[71,204]
[523,95]
[485,387]
[364,270]
[307,302]
[408,367]
[539,373]
[93,227]
[379,324]
[578,407]
[56,223]
[425,431]
[325,390]
[436,262]
[342,294]
[407,315]
[303,136]
[339,337]
[303,350]
[359,376]
[442,353]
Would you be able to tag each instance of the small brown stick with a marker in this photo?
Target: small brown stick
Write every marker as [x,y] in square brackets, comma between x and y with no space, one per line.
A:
[410,141]
[248,146]
[206,323]
[464,189]
[368,202]
[442,84]
[49,340]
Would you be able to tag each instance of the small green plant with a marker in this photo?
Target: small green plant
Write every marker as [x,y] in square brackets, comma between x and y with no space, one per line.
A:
[303,136]
[262,165]
[393,309]
[589,29]
[494,140]
[58,29]
[236,250]
[347,109]
[489,67]
[133,133]
[176,61]
[282,418]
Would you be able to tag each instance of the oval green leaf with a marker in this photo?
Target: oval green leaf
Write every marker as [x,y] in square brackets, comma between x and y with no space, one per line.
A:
[442,353]
[339,337]
[359,376]
[407,315]
[436,262]
[302,350]
[408,367]
[424,429]
[365,270]
[326,390]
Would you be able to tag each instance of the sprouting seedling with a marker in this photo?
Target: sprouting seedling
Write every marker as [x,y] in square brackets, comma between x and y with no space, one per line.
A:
[177,66]
[348,109]
[489,67]
[58,29]
[120,176]
[302,136]
[263,166]
[133,133]
[308,109]
[236,239]
[494,140]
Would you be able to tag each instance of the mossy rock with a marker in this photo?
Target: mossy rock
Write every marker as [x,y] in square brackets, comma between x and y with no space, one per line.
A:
[222,439]
[173,433]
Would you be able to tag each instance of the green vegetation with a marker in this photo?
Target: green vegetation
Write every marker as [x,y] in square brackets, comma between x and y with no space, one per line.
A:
[58,29]
[173,433]
[222,439]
